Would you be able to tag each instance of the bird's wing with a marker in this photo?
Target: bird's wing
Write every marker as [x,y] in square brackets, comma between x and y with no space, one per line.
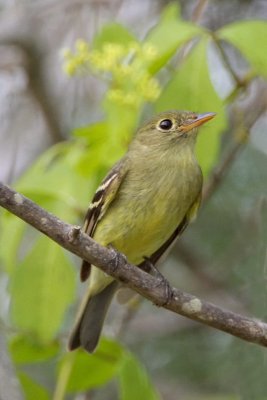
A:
[157,256]
[103,197]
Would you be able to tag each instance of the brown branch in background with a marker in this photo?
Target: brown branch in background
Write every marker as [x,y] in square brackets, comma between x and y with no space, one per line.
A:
[39,93]
[199,10]
[240,132]
[33,65]
[259,106]
[115,264]
[238,81]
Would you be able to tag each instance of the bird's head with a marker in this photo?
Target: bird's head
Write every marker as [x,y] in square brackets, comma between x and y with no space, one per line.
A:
[175,127]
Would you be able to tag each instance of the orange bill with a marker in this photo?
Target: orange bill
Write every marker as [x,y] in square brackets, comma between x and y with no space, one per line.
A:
[196,121]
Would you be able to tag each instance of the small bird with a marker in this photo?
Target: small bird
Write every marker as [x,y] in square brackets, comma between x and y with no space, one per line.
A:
[144,203]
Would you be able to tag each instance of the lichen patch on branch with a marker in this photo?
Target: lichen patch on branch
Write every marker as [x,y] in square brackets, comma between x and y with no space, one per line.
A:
[193,306]
[18,198]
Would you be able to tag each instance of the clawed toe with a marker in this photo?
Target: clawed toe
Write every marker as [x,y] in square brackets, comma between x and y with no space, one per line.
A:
[149,267]
[118,257]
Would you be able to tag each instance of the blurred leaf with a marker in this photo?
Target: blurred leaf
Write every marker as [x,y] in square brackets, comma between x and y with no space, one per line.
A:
[42,287]
[134,381]
[90,371]
[191,89]
[121,123]
[168,35]
[97,154]
[53,183]
[113,33]
[32,390]
[12,229]
[25,350]
[92,133]
[250,38]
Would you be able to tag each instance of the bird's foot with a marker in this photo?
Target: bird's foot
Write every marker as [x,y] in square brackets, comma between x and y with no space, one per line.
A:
[149,267]
[118,258]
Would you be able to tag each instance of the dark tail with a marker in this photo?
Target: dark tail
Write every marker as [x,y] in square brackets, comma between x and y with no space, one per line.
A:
[87,331]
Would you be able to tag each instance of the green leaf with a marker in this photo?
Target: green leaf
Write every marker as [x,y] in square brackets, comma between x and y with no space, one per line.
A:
[250,38]
[32,390]
[92,133]
[90,371]
[113,33]
[191,89]
[121,123]
[95,136]
[168,35]
[54,183]
[25,350]
[134,381]
[107,140]
[12,230]
[98,153]
[42,287]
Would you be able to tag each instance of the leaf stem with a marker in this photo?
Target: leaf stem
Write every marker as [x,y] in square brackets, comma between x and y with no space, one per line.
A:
[63,377]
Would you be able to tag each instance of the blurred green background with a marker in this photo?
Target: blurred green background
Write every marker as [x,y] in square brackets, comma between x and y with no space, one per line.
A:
[77,78]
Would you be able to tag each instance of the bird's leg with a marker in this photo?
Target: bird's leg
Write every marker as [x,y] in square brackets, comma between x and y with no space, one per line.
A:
[149,267]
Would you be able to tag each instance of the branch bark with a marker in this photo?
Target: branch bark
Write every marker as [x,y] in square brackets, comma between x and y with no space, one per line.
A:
[115,264]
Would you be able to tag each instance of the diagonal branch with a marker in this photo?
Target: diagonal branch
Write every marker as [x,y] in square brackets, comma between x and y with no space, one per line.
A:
[115,264]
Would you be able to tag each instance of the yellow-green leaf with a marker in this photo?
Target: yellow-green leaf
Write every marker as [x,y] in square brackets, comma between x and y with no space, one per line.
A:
[134,381]
[168,35]
[250,38]
[32,390]
[12,230]
[113,33]
[42,287]
[89,371]
[25,350]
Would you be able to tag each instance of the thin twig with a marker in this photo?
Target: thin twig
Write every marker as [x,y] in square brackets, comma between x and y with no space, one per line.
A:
[199,10]
[36,87]
[239,82]
[240,131]
[116,265]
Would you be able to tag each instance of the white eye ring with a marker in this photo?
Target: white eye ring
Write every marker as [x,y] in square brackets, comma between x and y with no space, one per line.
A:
[165,124]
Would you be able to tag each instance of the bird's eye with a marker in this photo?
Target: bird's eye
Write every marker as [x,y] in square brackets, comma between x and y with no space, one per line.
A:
[165,124]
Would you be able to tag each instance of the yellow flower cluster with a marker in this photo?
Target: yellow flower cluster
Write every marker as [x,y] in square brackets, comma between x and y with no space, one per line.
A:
[126,66]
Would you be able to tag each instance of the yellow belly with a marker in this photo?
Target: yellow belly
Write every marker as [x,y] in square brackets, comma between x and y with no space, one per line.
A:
[142,236]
